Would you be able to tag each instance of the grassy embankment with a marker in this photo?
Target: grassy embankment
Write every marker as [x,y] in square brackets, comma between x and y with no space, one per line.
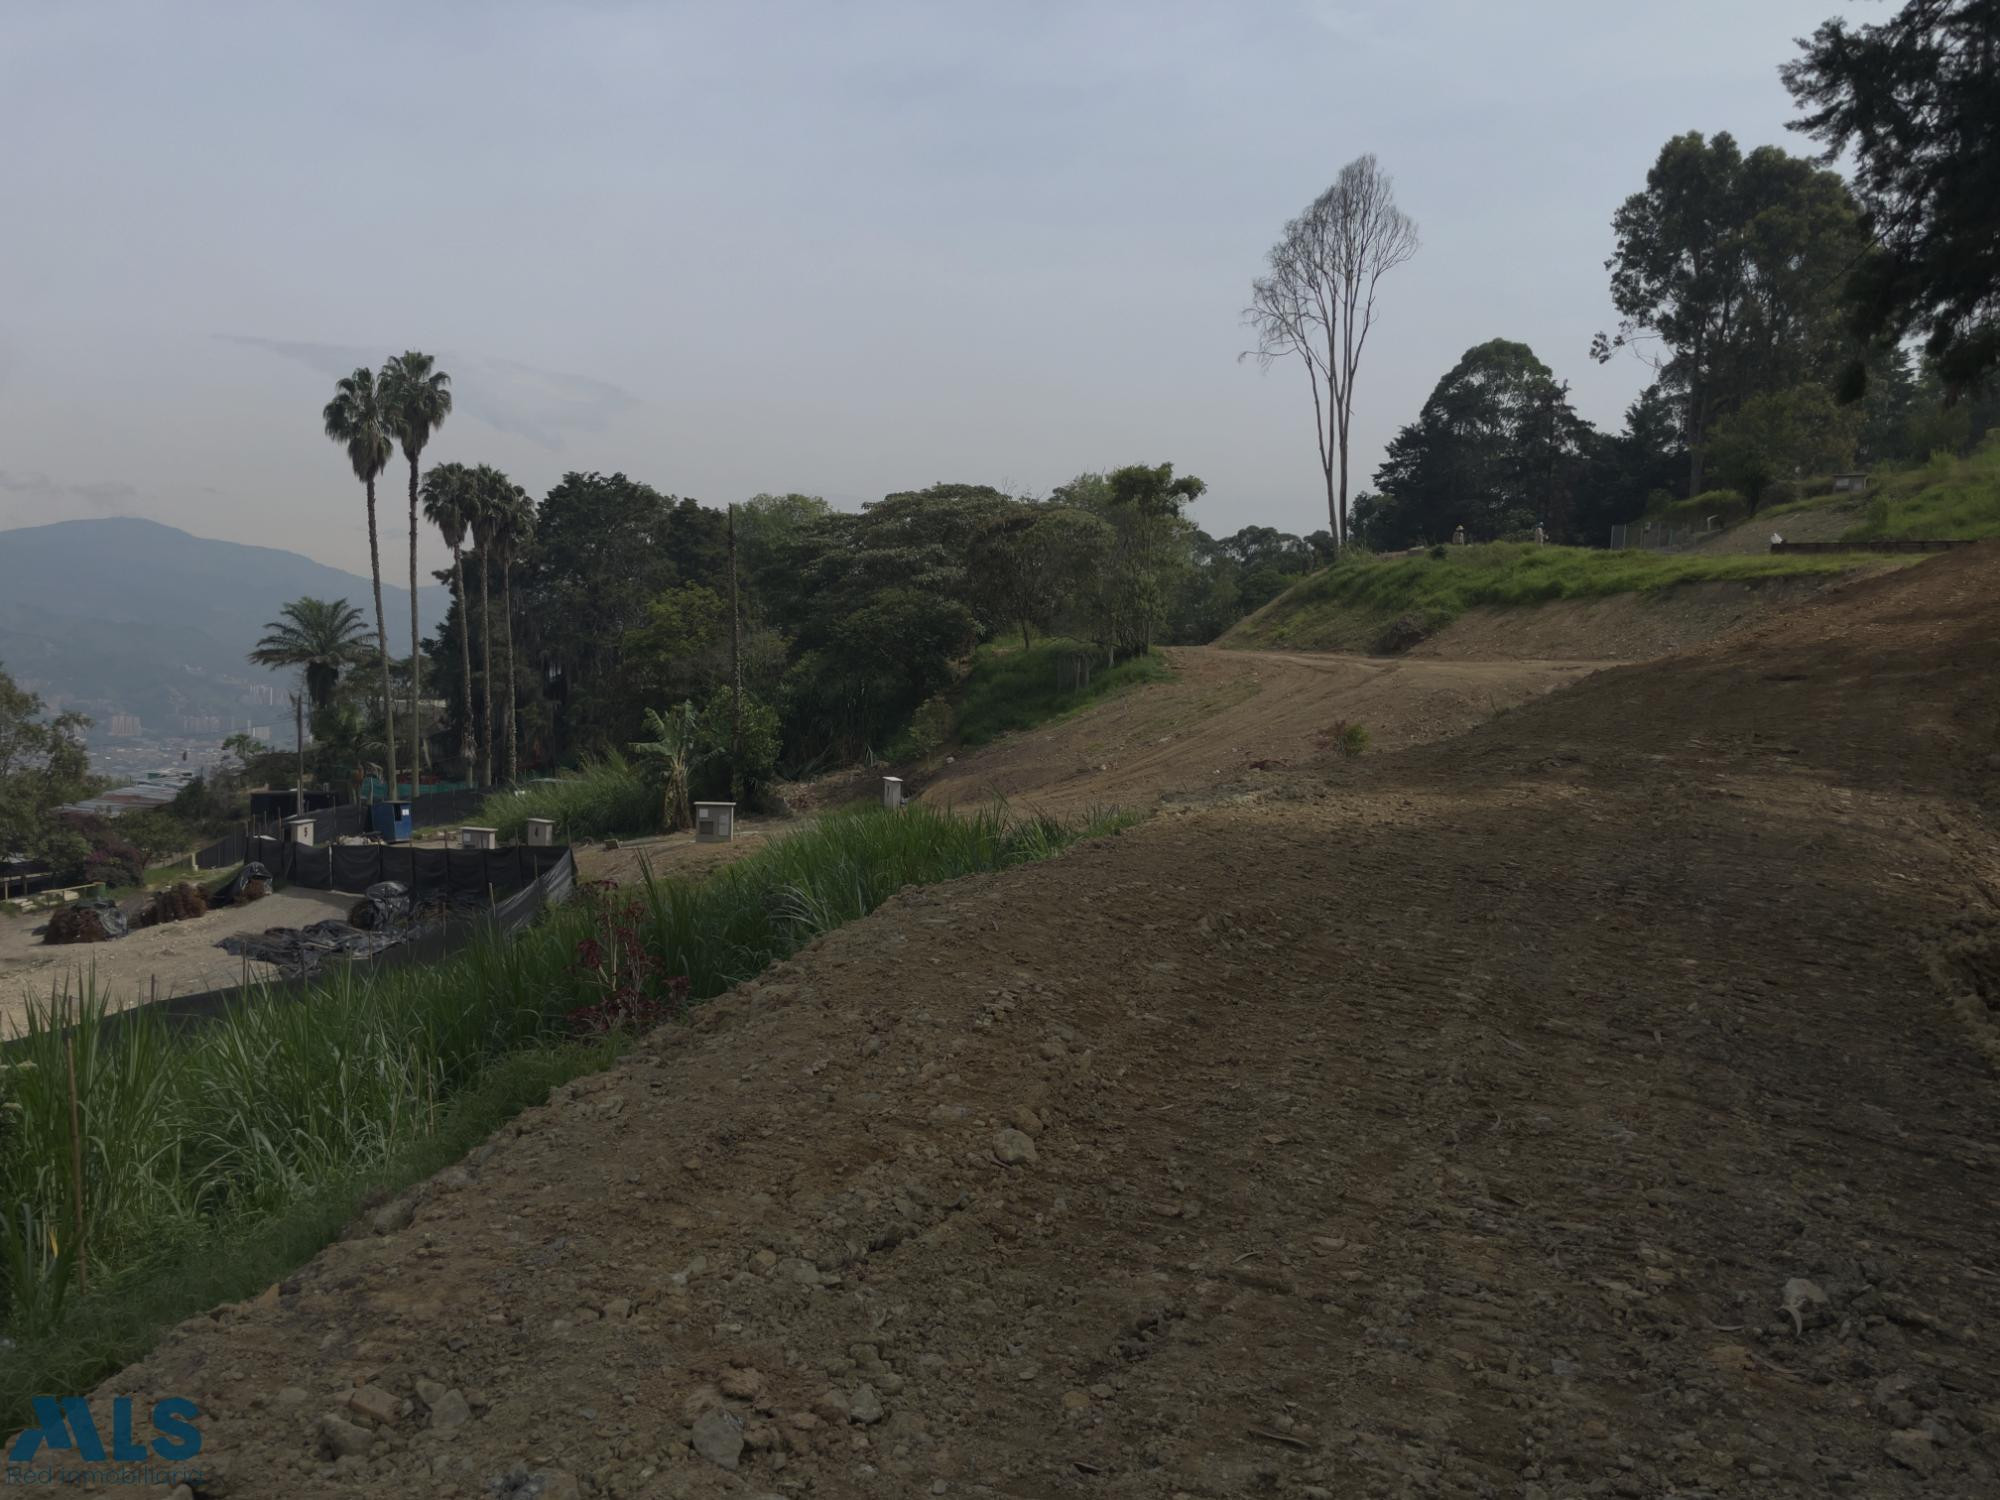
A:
[1944,499]
[215,1162]
[1351,605]
[1010,688]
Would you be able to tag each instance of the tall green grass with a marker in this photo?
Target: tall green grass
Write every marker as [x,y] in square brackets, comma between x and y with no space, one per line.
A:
[608,796]
[215,1160]
[1947,498]
[1011,688]
[1362,595]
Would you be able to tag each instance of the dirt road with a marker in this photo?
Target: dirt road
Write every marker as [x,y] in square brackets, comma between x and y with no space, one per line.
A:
[1574,1107]
[1236,721]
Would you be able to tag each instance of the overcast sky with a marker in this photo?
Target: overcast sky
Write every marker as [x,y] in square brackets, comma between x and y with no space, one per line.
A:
[839,248]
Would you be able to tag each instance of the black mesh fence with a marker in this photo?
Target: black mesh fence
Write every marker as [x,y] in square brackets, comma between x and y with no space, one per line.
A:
[350,820]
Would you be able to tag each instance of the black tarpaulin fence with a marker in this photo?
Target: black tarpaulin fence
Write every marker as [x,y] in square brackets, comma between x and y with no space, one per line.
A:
[425,872]
[331,823]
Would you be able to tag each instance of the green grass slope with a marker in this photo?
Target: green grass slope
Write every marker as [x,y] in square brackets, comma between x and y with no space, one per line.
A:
[1364,603]
[1944,499]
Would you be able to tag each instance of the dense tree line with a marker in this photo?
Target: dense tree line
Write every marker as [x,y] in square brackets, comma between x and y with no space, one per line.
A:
[847,622]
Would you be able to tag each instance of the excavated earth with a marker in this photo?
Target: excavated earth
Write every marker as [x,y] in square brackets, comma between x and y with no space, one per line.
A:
[1595,1103]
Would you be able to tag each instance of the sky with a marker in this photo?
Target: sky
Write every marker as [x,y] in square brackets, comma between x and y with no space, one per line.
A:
[843,249]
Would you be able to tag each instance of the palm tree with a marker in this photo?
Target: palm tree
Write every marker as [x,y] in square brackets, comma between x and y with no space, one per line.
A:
[354,419]
[488,522]
[516,531]
[416,398]
[320,637]
[451,501]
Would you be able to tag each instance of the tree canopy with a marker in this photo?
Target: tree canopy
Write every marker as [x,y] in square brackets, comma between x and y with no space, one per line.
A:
[1727,272]
[1496,449]
[43,764]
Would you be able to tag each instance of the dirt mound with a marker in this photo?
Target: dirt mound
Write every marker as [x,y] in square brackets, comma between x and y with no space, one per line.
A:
[180,902]
[1560,1110]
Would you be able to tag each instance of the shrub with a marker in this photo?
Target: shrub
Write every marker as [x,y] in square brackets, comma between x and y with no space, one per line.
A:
[930,726]
[1349,739]
[761,742]
[157,834]
[103,857]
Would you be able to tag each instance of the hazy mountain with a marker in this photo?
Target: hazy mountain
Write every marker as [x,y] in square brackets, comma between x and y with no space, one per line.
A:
[136,617]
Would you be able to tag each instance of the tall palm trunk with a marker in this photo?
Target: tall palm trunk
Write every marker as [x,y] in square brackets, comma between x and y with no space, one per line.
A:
[486,654]
[382,642]
[471,747]
[416,647]
[507,621]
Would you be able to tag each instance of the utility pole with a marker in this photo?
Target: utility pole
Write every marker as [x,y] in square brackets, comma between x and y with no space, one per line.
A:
[735,672]
[299,725]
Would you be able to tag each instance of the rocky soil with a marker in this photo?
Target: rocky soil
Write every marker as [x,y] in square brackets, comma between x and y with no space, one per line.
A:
[1588,1105]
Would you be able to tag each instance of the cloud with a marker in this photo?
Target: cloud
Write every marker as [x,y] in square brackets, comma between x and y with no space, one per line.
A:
[525,400]
[103,495]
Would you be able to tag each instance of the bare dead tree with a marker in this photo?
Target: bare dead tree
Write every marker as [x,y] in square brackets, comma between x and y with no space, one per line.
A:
[1317,300]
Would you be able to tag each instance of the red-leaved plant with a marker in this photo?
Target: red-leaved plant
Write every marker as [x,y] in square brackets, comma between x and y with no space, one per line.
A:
[629,991]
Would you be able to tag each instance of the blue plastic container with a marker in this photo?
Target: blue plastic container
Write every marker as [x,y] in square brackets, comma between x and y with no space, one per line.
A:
[391,821]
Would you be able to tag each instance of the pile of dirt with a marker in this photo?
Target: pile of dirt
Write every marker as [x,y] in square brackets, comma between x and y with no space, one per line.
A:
[1561,1110]
[86,922]
[181,902]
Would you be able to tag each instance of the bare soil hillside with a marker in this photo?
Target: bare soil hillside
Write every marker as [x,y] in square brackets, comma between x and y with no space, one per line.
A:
[1232,721]
[1586,1105]
[1619,627]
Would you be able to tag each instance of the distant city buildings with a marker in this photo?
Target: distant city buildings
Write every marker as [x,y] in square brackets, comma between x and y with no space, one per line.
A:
[200,724]
[122,726]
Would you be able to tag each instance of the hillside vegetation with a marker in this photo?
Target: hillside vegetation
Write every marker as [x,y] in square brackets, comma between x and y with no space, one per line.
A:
[1366,603]
[1010,689]
[1945,498]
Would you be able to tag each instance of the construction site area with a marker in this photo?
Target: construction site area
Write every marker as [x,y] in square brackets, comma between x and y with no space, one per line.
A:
[1588,1090]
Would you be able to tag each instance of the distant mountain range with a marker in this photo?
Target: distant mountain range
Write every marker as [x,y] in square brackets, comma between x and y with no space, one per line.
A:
[129,616]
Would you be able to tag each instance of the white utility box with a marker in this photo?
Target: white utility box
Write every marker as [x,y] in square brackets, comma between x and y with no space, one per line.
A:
[479,838]
[714,822]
